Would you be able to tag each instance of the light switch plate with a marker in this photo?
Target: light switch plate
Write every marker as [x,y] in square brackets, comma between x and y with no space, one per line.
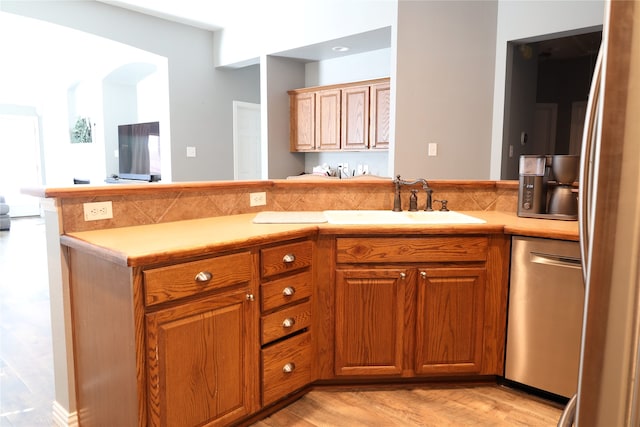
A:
[191,151]
[433,149]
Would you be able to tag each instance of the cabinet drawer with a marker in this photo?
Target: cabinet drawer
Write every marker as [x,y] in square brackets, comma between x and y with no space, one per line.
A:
[286,367]
[286,290]
[284,322]
[423,249]
[285,258]
[178,281]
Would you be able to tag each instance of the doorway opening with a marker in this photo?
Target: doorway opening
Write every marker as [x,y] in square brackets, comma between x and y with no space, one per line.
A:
[20,164]
[547,86]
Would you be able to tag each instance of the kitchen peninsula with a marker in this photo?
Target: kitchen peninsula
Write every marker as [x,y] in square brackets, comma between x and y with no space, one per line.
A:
[185,312]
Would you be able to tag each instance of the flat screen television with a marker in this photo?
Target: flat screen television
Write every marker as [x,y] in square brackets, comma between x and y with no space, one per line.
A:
[139,151]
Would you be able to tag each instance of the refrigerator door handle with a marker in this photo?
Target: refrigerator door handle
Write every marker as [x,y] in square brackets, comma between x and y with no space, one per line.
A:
[569,414]
[588,155]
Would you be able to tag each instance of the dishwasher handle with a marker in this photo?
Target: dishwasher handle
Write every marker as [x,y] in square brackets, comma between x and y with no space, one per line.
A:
[557,260]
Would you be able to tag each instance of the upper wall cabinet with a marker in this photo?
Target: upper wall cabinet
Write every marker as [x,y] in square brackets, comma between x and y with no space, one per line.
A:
[349,117]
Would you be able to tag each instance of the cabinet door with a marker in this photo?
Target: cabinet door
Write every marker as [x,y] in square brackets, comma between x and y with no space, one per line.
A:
[202,362]
[355,118]
[449,320]
[328,119]
[380,114]
[302,117]
[369,316]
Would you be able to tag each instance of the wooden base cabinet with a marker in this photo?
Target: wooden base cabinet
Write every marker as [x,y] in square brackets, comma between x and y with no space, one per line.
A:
[449,320]
[369,316]
[176,344]
[410,307]
[198,362]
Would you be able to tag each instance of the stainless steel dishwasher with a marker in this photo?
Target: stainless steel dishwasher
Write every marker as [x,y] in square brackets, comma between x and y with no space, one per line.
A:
[544,326]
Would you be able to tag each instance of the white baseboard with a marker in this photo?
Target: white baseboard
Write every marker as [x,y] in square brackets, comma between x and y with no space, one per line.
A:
[62,417]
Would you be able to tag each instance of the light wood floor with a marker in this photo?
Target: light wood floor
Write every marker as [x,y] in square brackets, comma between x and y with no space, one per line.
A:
[26,355]
[437,406]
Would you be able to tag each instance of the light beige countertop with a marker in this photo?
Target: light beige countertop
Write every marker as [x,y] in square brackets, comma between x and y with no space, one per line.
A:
[163,242]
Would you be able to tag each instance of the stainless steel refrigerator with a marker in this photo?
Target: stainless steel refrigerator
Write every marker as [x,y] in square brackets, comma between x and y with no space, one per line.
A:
[608,386]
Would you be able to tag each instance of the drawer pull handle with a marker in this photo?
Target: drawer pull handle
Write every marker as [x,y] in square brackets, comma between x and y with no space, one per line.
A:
[403,275]
[203,276]
[289,368]
[423,274]
[288,258]
[250,297]
[288,291]
[288,322]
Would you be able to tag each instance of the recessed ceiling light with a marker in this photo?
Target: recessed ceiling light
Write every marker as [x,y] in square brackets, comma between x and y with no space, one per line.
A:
[340,48]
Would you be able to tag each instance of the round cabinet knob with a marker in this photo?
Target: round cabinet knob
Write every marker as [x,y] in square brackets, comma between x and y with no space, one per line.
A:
[423,274]
[203,276]
[288,291]
[288,258]
[289,367]
[403,275]
[288,322]
[250,297]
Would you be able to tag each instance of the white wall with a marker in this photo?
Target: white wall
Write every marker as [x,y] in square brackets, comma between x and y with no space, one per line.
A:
[200,96]
[443,80]
[532,21]
[279,75]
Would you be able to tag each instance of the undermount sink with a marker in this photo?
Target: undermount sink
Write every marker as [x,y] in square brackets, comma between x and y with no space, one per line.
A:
[405,217]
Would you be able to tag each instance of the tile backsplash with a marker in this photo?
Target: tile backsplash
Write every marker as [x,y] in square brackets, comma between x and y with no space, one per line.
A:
[165,204]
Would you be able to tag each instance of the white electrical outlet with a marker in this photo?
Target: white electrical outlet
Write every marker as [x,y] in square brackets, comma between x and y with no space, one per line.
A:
[97,210]
[433,149]
[258,199]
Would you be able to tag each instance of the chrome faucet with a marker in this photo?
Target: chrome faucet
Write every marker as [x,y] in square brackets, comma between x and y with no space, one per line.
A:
[413,202]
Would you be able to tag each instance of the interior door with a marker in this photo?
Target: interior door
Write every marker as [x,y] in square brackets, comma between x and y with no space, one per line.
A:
[247,153]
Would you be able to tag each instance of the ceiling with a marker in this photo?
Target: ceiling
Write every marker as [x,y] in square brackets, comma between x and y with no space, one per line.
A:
[215,15]
[209,15]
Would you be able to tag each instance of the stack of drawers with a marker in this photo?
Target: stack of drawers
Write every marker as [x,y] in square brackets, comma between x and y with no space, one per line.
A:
[285,298]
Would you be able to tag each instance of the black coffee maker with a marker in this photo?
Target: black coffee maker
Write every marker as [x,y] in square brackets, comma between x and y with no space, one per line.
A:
[546,186]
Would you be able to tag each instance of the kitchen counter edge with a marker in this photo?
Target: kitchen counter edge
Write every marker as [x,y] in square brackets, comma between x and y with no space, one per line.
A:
[159,243]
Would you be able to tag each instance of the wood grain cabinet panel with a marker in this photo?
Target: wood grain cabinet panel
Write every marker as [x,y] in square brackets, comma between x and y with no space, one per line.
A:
[380,115]
[201,362]
[449,320]
[285,322]
[349,117]
[286,367]
[369,318]
[196,277]
[328,120]
[355,118]
[287,258]
[286,290]
[302,121]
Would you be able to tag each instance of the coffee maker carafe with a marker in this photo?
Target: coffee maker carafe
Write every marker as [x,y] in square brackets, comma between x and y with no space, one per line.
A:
[546,186]
[563,200]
